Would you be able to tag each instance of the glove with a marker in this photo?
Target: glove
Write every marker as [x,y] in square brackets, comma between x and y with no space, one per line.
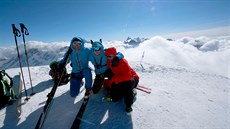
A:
[115,61]
[136,82]
[61,65]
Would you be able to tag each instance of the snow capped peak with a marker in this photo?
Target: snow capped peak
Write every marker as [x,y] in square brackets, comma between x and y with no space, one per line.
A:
[134,41]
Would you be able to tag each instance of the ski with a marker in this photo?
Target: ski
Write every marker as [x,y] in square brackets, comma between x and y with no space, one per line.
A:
[50,96]
[78,118]
[144,89]
[24,32]
[46,108]
[19,97]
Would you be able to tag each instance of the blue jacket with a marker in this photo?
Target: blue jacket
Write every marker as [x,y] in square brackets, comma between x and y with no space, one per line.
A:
[79,59]
[99,62]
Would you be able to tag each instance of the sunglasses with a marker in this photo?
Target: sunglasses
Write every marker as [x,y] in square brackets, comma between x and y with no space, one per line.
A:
[109,57]
[77,43]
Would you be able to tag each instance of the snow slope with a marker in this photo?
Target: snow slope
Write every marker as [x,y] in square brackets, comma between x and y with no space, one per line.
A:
[190,88]
[180,98]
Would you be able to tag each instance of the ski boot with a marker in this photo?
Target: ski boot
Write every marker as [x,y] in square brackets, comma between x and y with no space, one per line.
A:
[87,93]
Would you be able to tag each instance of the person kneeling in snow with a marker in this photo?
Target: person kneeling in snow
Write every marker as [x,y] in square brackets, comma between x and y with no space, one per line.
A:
[79,56]
[98,59]
[124,80]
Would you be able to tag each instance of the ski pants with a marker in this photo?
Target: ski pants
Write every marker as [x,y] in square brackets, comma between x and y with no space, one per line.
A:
[99,80]
[123,89]
[76,81]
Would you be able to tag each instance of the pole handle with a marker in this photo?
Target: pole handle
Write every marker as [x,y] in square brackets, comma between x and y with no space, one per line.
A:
[16,32]
[24,29]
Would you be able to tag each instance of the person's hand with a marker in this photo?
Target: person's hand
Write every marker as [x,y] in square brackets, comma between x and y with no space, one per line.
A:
[61,65]
[115,61]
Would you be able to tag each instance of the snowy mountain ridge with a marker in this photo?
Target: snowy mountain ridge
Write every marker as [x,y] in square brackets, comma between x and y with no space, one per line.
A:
[134,41]
[202,53]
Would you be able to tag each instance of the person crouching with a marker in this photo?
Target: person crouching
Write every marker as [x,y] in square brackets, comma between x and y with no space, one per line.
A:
[124,78]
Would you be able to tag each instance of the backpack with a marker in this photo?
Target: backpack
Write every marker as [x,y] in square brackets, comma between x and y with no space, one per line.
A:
[6,84]
[56,73]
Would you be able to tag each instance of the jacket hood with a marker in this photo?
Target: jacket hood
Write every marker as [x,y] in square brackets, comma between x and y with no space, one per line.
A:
[96,45]
[111,51]
[77,39]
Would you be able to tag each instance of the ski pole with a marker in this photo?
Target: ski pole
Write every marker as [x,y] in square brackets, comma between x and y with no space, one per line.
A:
[141,61]
[16,33]
[24,32]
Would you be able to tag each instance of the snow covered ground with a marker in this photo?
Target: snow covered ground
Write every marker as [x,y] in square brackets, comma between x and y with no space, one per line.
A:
[190,89]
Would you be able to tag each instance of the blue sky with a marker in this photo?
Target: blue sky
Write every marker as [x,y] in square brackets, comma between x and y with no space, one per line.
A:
[61,20]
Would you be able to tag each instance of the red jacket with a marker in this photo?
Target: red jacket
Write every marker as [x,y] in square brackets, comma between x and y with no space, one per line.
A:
[122,72]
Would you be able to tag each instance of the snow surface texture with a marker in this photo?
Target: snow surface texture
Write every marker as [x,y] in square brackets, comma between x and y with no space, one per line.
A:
[190,88]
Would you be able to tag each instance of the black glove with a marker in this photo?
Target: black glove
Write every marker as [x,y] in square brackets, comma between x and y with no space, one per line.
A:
[115,61]
[100,76]
[136,82]
[61,65]
[109,73]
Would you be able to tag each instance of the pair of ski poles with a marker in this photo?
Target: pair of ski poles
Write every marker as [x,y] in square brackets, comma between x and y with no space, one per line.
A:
[17,33]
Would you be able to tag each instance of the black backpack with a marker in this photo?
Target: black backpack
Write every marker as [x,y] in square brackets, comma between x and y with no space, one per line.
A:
[58,73]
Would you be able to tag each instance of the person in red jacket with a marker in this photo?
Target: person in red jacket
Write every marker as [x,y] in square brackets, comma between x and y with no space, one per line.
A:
[124,79]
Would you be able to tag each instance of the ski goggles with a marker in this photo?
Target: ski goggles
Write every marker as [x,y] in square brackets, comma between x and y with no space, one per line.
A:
[77,43]
[96,48]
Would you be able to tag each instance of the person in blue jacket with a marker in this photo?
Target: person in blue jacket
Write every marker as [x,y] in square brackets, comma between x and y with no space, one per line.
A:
[79,57]
[98,59]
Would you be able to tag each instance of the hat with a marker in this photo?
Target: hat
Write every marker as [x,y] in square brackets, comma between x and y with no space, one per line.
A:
[110,51]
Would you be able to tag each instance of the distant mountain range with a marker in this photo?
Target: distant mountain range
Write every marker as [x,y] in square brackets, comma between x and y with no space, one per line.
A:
[42,53]
[134,41]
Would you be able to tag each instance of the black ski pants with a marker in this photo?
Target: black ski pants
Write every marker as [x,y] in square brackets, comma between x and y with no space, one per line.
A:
[123,90]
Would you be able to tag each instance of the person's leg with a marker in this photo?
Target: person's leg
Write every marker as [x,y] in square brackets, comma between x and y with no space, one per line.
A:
[88,81]
[97,84]
[75,84]
[128,94]
[115,92]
